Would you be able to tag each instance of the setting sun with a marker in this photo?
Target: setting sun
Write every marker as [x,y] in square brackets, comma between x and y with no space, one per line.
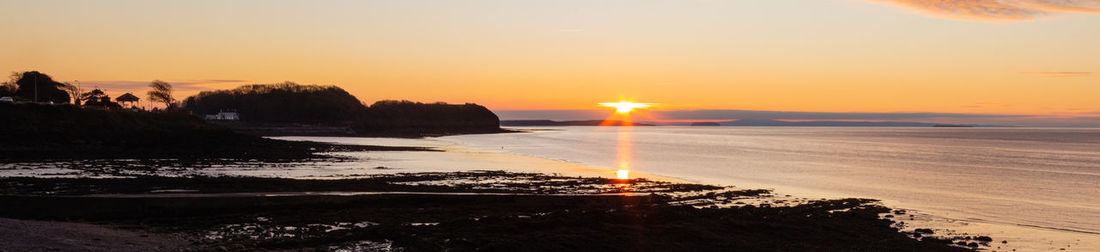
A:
[624,107]
[517,125]
[622,174]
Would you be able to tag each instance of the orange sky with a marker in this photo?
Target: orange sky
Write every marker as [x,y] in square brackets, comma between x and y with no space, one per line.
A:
[820,55]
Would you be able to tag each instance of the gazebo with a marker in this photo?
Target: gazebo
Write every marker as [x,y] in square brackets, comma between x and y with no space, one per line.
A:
[127,99]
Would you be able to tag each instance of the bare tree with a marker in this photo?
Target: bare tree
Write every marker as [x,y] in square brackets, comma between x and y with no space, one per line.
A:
[8,88]
[74,91]
[162,92]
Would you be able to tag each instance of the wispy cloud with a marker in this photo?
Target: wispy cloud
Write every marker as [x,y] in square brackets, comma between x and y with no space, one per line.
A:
[998,10]
[182,87]
[724,114]
[1058,74]
[135,84]
[1085,119]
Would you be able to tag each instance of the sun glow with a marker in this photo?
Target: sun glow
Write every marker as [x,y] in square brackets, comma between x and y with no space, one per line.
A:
[622,117]
[623,173]
[623,107]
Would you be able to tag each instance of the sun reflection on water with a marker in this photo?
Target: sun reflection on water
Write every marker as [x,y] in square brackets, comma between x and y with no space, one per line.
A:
[623,153]
[623,144]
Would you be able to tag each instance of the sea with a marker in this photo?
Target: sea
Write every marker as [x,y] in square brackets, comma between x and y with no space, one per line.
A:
[1030,189]
[1036,187]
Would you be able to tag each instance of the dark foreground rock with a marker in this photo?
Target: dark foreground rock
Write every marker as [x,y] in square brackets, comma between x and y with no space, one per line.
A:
[490,211]
[30,235]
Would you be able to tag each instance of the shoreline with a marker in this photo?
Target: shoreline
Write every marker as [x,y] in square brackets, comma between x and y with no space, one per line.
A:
[579,169]
[556,204]
[1035,237]
[574,169]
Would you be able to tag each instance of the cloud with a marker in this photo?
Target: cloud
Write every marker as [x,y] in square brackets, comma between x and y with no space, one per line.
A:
[183,88]
[792,115]
[998,10]
[1058,74]
[1087,119]
[725,114]
[128,85]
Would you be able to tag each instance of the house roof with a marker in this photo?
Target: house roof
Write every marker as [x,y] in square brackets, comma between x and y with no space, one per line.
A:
[127,97]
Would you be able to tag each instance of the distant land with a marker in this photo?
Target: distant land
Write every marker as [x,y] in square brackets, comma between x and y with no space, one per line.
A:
[742,123]
[59,132]
[839,124]
[570,123]
[290,109]
[68,123]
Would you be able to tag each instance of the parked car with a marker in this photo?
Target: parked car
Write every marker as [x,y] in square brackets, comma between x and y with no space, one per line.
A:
[7,99]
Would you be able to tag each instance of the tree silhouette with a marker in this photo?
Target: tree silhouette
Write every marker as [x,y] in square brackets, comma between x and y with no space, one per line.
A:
[420,118]
[162,92]
[73,91]
[285,102]
[8,88]
[98,99]
[39,87]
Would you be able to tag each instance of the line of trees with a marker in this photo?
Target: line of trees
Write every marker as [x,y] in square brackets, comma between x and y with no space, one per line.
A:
[286,102]
[390,115]
[289,102]
[34,86]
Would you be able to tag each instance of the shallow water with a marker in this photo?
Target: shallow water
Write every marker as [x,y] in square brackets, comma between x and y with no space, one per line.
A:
[1042,178]
[1037,188]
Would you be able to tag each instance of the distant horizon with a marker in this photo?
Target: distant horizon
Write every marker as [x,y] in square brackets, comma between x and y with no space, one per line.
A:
[687,116]
[1084,120]
[1027,62]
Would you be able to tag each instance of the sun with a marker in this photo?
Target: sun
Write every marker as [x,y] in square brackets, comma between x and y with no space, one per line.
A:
[623,107]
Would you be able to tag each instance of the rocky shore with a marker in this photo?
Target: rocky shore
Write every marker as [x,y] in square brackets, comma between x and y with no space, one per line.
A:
[461,211]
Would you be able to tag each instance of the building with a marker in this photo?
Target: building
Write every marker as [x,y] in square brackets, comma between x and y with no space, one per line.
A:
[223,116]
[128,100]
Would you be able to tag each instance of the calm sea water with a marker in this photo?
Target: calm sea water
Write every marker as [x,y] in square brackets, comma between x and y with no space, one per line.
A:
[1045,178]
[1038,188]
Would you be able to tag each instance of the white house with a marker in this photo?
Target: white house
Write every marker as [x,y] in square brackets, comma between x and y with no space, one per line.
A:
[224,116]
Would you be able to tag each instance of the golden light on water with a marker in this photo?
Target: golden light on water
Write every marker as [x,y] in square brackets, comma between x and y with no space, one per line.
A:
[623,156]
[622,117]
[623,152]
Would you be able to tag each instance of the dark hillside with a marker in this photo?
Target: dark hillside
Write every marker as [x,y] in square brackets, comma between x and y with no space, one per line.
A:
[292,109]
[33,131]
[279,103]
[414,118]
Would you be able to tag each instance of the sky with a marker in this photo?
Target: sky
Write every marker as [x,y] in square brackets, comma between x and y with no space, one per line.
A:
[1025,62]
